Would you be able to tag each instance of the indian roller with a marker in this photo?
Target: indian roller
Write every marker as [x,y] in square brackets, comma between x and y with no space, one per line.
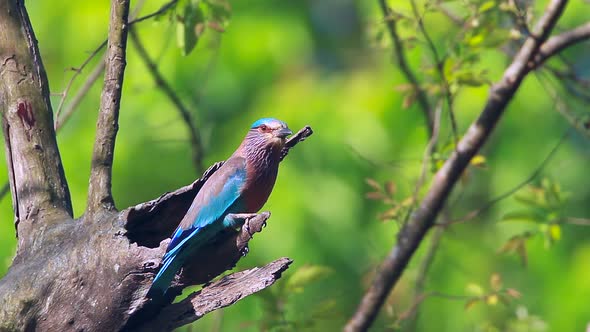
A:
[237,190]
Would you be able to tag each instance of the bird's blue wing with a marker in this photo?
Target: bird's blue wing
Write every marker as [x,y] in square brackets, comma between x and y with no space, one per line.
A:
[218,197]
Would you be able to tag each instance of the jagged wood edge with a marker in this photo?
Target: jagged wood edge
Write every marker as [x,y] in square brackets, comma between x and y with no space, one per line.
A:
[219,294]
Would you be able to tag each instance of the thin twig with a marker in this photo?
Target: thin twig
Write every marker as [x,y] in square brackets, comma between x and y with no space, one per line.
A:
[562,108]
[577,221]
[77,71]
[185,113]
[92,78]
[160,11]
[77,99]
[400,56]
[439,64]
[412,310]
[428,153]
[411,235]
[471,215]
[558,43]
[99,191]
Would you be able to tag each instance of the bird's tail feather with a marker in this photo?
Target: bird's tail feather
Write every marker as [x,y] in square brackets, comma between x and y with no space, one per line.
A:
[164,277]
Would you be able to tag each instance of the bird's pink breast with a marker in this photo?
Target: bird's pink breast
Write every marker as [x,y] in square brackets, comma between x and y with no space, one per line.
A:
[257,191]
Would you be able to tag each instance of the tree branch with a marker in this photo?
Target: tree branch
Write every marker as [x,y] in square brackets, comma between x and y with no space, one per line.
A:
[185,113]
[298,137]
[558,43]
[90,80]
[99,191]
[222,293]
[411,235]
[40,193]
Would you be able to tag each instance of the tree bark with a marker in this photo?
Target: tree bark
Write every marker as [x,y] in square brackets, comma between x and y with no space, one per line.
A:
[92,274]
[39,188]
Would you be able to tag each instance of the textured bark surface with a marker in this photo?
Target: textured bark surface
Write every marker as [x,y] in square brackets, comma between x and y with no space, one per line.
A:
[92,273]
[39,189]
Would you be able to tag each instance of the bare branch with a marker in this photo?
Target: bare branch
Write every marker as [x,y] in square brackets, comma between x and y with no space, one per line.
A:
[411,235]
[160,11]
[99,191]
[77,99]
[558,43]
[77,71]
[39,188]
[400,56]
[222,293]
[90,80]
[185,113]
[298,137]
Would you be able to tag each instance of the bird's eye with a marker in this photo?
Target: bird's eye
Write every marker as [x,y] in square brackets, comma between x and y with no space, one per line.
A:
[264,128]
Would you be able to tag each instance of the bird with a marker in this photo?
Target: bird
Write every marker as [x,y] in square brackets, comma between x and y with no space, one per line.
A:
[237,190]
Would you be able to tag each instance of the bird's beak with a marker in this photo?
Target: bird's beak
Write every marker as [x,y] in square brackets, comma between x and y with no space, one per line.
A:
[283,132]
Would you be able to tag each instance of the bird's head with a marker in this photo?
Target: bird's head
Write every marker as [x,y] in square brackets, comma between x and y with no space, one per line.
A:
[266,136]
[271,131]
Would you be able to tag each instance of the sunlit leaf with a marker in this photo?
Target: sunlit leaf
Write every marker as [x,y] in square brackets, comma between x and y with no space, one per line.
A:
[492,299]
[474,289]
[555,232]
[478,161]
[522,215]
[486,6]
[476,40]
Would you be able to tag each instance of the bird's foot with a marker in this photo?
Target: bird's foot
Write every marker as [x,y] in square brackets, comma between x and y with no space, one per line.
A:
[244,251]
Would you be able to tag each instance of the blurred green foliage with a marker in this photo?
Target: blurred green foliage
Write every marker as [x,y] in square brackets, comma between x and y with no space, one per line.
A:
[328,64]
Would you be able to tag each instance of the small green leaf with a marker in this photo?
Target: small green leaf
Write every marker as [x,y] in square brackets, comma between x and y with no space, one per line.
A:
[189,27]
[555,232]
[522,215]
[474,289]
[471,79]
[486,6]
[478,161]
[306,275]
[492,299]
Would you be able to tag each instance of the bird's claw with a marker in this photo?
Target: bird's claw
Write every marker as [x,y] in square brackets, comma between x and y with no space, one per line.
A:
[247,226]
[244,251]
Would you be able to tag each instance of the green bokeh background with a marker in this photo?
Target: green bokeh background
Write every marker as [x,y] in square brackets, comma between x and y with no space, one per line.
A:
[312,62]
